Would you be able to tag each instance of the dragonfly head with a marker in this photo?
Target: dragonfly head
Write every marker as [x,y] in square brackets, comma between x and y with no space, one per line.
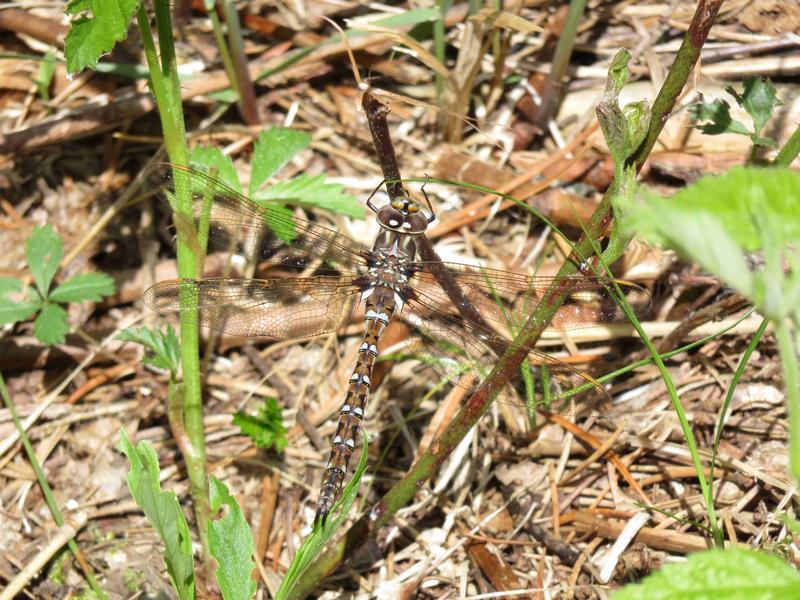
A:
[403,216]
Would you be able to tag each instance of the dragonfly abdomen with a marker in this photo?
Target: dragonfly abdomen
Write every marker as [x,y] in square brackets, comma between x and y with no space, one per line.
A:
[380,306]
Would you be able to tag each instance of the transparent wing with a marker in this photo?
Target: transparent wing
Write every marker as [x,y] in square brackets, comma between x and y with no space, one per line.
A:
[278,308]
[465,354]
[235,224]
[506,300]
[464,345]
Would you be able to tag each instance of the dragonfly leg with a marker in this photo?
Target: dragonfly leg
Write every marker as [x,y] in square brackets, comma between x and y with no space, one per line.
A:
[432,216]
[371,206]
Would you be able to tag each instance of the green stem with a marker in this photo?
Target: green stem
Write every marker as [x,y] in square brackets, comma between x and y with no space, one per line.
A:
[243,85]
[686,428]
[438,46]
[723,413]
[791,377]
[166,89]
[789,151]
[704,17]
[553,89]
[222,47]
[47,492]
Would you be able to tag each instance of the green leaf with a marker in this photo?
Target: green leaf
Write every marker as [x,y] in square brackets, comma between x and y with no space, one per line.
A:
[733,574]
[273,149]
[17,302]
[77,6]
[44,77]
[714,118]
[213,161]
[88,286]
[734,198]
[763,141]
[321,533]
[719,218]
[404,19]
[278,219]
[265,429]
[164,345]
[312,192]
[228,95]
[51,325]
[44,251]
[90,37]
[759,99]
[231,544]
[163,512]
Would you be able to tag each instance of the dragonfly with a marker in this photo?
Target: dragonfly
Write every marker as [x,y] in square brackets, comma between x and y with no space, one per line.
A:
[461,339]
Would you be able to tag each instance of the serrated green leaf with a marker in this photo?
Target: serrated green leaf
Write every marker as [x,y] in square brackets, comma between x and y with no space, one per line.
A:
[51,325]
[714,118]
[733,574]
[759,99]
[273,149]
[313,192]
[695,234]
[719,218]
[735,196]
[91,37]
[231,544]
[163,511]
[279,220]
[212,160]
[87,286]
[164,345]
[321,533]
[77,6]
[17,302]
[44,250]
[265,429]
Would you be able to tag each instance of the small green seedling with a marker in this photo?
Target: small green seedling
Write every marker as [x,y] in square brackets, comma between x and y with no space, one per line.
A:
[19,302]
[758,99]
[266,429]
[164,346]
[271,152]
[230,539]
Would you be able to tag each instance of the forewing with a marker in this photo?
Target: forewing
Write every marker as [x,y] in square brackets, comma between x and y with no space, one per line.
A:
[506,300]
[235,224]
[278,308]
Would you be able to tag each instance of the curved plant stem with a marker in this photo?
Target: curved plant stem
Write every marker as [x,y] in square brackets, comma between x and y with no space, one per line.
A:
[479,403]
[241,76]
[553,88]
[723,413]
[704,16]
